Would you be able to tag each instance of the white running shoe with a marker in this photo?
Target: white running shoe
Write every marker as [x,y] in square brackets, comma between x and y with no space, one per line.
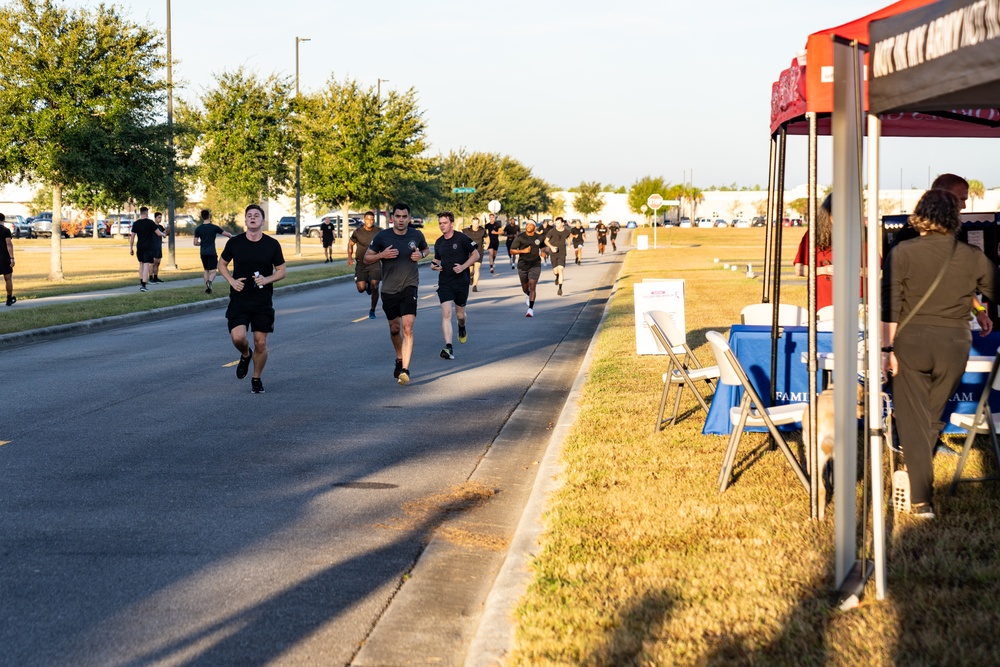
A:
[530,313]
[527,300]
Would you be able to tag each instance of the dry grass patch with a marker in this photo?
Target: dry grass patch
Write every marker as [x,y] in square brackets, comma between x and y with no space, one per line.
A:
[645,563]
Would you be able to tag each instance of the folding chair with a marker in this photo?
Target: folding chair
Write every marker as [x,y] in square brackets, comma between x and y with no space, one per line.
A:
[981,422]
[789,315]
[684,372]
[751,411]
[824,314]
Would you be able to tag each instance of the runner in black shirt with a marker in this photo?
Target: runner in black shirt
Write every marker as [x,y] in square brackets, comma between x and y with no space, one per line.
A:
[145,230]
[326,230]
[555,240]
[614,227]
[454,253]
[602,236]
[479,237]
[366,276]
[578,235]
[154,275]
[258,263]
[7,261]
[204,238]
[529,265]
[493,229]
[511,230]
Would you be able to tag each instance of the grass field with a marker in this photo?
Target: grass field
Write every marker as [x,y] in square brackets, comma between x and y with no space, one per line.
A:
[644,563]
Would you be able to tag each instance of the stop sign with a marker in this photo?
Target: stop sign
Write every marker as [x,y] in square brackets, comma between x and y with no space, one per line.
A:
[655,201]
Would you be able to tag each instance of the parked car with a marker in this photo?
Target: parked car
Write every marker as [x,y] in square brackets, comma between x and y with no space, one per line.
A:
[684,222]
[757,221]
[121,224]
[631,224]
[417,222]
[741,224]
[703,222]
[719,222]
[41,225]
[185,223]
[286,225]
[103,229]
[19,227]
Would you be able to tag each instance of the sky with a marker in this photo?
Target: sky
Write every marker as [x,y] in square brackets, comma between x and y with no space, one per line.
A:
[577,90]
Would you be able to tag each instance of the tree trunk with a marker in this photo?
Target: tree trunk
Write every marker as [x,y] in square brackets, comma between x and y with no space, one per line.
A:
[55,264]
[345,226]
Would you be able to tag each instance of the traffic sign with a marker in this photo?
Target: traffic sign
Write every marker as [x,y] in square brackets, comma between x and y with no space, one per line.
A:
[655,201]
[671,202]
[493,206]
[463,191]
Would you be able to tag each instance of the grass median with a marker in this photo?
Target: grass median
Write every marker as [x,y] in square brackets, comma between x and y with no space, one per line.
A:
[643,562]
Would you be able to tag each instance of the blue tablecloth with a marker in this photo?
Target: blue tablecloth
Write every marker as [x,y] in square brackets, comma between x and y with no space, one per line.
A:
[752,346]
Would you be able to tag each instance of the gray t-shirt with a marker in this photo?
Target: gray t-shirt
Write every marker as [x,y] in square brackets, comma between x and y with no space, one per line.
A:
[399,272]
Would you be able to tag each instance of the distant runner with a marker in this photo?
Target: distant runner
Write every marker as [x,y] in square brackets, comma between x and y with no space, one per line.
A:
[529,264]
[614,234]
[556,242]
[579,235]
[366,276]
[479,237]
[204,238]
[602,236]
[511,230]
[326,231]
[493,229]
[454,253]
[7,261]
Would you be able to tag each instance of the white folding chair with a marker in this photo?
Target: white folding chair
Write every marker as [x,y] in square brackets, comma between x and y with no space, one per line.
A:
[824,314]
[683,370]
[981,422]
[751,411]
[789,315]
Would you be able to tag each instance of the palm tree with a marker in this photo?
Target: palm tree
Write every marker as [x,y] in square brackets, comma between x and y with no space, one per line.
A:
[976,191]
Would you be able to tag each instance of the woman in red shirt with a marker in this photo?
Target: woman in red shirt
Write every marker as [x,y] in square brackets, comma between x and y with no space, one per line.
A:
[824,254]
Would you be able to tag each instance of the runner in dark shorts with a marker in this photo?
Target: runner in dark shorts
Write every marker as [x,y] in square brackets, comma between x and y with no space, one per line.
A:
[157,248]
[326,230]
[493,229]
[7,261]
[556,242]
[366,276]
[529,263]
[479,237]
[579,235]
[511,230]
[204,238]
[602,236]
[614,227]
[454,253]
[143,230]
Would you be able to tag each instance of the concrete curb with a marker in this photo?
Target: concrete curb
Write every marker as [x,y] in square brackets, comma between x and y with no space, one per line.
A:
[116,321]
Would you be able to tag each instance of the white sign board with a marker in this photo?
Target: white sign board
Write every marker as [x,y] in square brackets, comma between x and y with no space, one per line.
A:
[493,206]
[666,295]
[642,242]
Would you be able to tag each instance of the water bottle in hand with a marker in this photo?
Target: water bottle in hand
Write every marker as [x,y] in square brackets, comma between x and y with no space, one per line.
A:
[256,274]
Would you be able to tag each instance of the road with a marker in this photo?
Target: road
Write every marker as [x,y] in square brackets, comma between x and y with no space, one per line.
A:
[154,511]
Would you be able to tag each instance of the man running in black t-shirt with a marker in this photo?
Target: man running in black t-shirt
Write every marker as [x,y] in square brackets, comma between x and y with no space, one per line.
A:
[326,231]
[399,248]
[366,276]
[154,271]
[7,261]
[555,240]
[454,253]
[145,230]
[258,263]
[204,238]
[511,230]
[479,237]
[529,263]
[602,236]
[579,235]
[493,229]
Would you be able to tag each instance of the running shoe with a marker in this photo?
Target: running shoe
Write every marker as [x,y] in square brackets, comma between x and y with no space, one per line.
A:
[922,511]
[243,366]
[560,290]
[530,313]
[398,369]
[446,353]
[371,314]
[462,335]
[492,270]
[11,300]
[527,300]
[142,288]
[475,289]
[404,377]
[155,279]
[256,386]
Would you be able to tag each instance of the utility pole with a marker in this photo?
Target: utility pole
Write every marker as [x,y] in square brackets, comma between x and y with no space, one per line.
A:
[298,161]
[378,209]
[171,241]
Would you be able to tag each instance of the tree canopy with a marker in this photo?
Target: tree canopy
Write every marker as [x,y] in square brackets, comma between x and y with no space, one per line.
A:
[643,188]
[588,199]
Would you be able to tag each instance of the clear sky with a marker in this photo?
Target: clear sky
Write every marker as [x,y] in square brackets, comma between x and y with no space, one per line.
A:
[578,90]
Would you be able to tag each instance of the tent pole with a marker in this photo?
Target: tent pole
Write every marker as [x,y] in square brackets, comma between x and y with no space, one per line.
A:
[817,504]
[779,201]
[874,360]
[765,296]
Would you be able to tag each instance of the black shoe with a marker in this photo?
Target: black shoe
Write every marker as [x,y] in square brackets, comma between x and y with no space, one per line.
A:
[155,279]
[142,288]
[11,300]
[463,335]
[475,289]
[560,290]
[243,366]
[447,353]
[492,270]
[398,369]
[256,386]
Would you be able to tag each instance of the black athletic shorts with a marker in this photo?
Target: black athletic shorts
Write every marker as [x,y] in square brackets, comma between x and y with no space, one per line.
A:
[494,243]
[402,303]
[210,262]
[6,269]
[558,258]
[454,290]
[144,255]
[529,274]
[365,273]
[253,317]
[327,243]
[158,252]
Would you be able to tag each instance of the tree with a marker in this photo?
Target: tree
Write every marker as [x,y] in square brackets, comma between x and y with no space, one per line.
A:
[588,199]
[523,193]
[472,170]
[800,206]
[78,94]
[246,139]
[557,207]
[358,149]
[643,188]
[976,191]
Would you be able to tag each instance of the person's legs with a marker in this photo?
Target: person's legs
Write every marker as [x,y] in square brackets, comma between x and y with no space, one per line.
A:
[8,281]
[239,338]
[406,346]
[446,307]
[460,314]
[532,284]
[155,268]
[144,268]
[259,352]
[475,276]
[362,285]
[373,284]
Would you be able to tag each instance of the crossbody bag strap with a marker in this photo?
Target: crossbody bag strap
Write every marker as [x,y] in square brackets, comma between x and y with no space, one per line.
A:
[930,290]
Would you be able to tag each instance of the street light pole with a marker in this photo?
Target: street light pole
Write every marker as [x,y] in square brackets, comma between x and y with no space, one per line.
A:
[171,242]
[378,209]
[298,161]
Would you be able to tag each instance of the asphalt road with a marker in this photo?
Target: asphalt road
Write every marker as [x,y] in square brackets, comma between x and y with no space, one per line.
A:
[153,511]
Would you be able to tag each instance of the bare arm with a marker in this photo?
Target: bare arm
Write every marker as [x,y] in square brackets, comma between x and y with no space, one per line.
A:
[260,281]
[10,252]
[223,268]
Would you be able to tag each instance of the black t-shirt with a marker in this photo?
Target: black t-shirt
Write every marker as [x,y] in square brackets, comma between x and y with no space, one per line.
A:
[494,231]
[207,232]
[249,257]
[455,250]
[399,272]
[577,234]
[602,229]
[614,229]
[530,259]
[511,230]
[145,231]
[157,239]
[362,238]
[478,236]
[4,255]
[558,239]
[327,230]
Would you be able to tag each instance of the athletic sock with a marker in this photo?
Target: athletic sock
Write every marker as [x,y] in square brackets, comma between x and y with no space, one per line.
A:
[531,304]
